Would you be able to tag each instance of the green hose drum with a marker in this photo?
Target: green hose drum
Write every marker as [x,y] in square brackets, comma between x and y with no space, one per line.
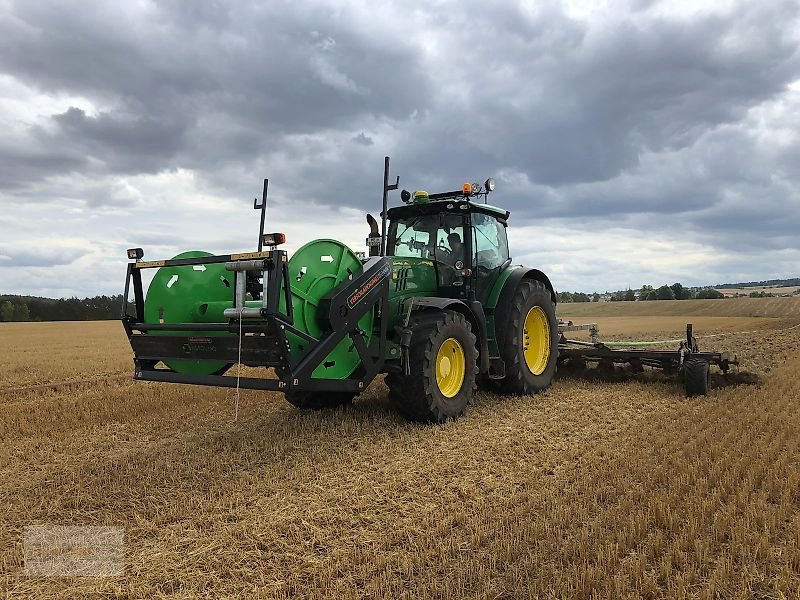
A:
[174,296]
[201,293]
[314,270]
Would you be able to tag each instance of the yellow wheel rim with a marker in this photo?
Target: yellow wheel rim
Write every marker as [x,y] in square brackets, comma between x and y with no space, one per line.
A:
[536,340]
[450,367]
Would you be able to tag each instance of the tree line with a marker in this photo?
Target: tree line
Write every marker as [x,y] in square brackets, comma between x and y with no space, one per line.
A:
[676,291]
[34,308]
[766,283]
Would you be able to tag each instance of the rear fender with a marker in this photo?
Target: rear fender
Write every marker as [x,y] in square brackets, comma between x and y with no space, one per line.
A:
[473,311]
[500,298]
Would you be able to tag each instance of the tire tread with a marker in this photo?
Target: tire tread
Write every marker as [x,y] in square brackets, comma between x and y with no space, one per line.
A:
[416,396]
[518,379]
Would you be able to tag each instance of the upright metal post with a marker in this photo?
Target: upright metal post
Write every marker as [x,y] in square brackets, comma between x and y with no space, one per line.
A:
[263,207]
[386,189]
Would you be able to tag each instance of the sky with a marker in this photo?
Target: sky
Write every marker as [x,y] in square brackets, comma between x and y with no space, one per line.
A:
[634,142]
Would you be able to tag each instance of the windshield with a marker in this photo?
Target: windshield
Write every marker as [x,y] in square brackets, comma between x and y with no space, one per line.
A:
[438,237]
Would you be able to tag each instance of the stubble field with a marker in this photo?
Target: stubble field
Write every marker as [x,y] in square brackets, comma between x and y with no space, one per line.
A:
[594,489]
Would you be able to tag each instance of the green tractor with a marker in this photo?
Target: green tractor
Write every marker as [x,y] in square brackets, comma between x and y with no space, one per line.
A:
[437,306]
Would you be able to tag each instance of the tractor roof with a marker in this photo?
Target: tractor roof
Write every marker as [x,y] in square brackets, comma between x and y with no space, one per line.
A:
[450,205]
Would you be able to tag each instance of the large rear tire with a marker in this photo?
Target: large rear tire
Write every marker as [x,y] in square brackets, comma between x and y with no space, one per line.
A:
[529,344]
[444,364]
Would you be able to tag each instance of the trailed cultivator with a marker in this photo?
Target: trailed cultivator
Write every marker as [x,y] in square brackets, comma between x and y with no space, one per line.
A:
[687,360]
[437,306]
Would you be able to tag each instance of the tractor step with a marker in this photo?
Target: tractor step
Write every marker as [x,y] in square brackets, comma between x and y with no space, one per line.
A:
[497,368]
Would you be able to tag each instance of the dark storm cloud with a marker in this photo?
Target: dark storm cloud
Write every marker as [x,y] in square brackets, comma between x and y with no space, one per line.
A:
[631,117]
[43,257]
[21,166]
[126,143]
[196,85]
[363,139]
[584,108]
[192,86]
[577,110]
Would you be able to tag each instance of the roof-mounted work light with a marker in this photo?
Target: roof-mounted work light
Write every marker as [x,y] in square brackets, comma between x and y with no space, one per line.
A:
[489,184]
[135,253]
[273,239]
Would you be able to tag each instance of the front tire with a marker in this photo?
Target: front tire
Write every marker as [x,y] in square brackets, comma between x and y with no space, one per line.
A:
[529,346]
[443,364]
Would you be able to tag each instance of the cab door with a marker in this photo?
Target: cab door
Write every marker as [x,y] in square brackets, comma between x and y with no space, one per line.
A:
[450,252]
[490,252]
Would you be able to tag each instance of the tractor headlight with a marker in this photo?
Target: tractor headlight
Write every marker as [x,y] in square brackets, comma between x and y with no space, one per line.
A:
[489,185]
[135,253]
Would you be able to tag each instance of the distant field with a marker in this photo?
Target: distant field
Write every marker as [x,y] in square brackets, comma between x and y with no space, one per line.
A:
[622,325]
[594,489]
[728,307]
[758,288]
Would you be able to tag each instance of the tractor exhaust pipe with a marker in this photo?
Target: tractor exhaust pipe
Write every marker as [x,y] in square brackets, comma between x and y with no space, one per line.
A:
[374,238]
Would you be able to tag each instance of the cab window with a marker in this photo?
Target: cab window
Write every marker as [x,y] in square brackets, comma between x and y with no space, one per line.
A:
[411,239]
[437,237]
[490,242]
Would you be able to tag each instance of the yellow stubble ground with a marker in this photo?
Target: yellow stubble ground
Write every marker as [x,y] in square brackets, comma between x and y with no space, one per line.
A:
[41,353]
[592,489]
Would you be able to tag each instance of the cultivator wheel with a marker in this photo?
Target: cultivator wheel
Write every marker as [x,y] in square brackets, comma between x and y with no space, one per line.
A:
[315,400]
[444,365]
[319,400]
[530,341]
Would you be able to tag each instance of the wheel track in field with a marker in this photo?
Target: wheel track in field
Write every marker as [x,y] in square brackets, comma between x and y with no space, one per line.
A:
[58,386]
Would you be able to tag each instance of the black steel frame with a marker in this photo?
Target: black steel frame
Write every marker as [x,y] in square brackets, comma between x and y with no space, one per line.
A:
[263,341]
[658,359]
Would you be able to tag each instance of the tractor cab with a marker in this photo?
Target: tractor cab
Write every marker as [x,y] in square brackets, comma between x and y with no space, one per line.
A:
[461,243]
